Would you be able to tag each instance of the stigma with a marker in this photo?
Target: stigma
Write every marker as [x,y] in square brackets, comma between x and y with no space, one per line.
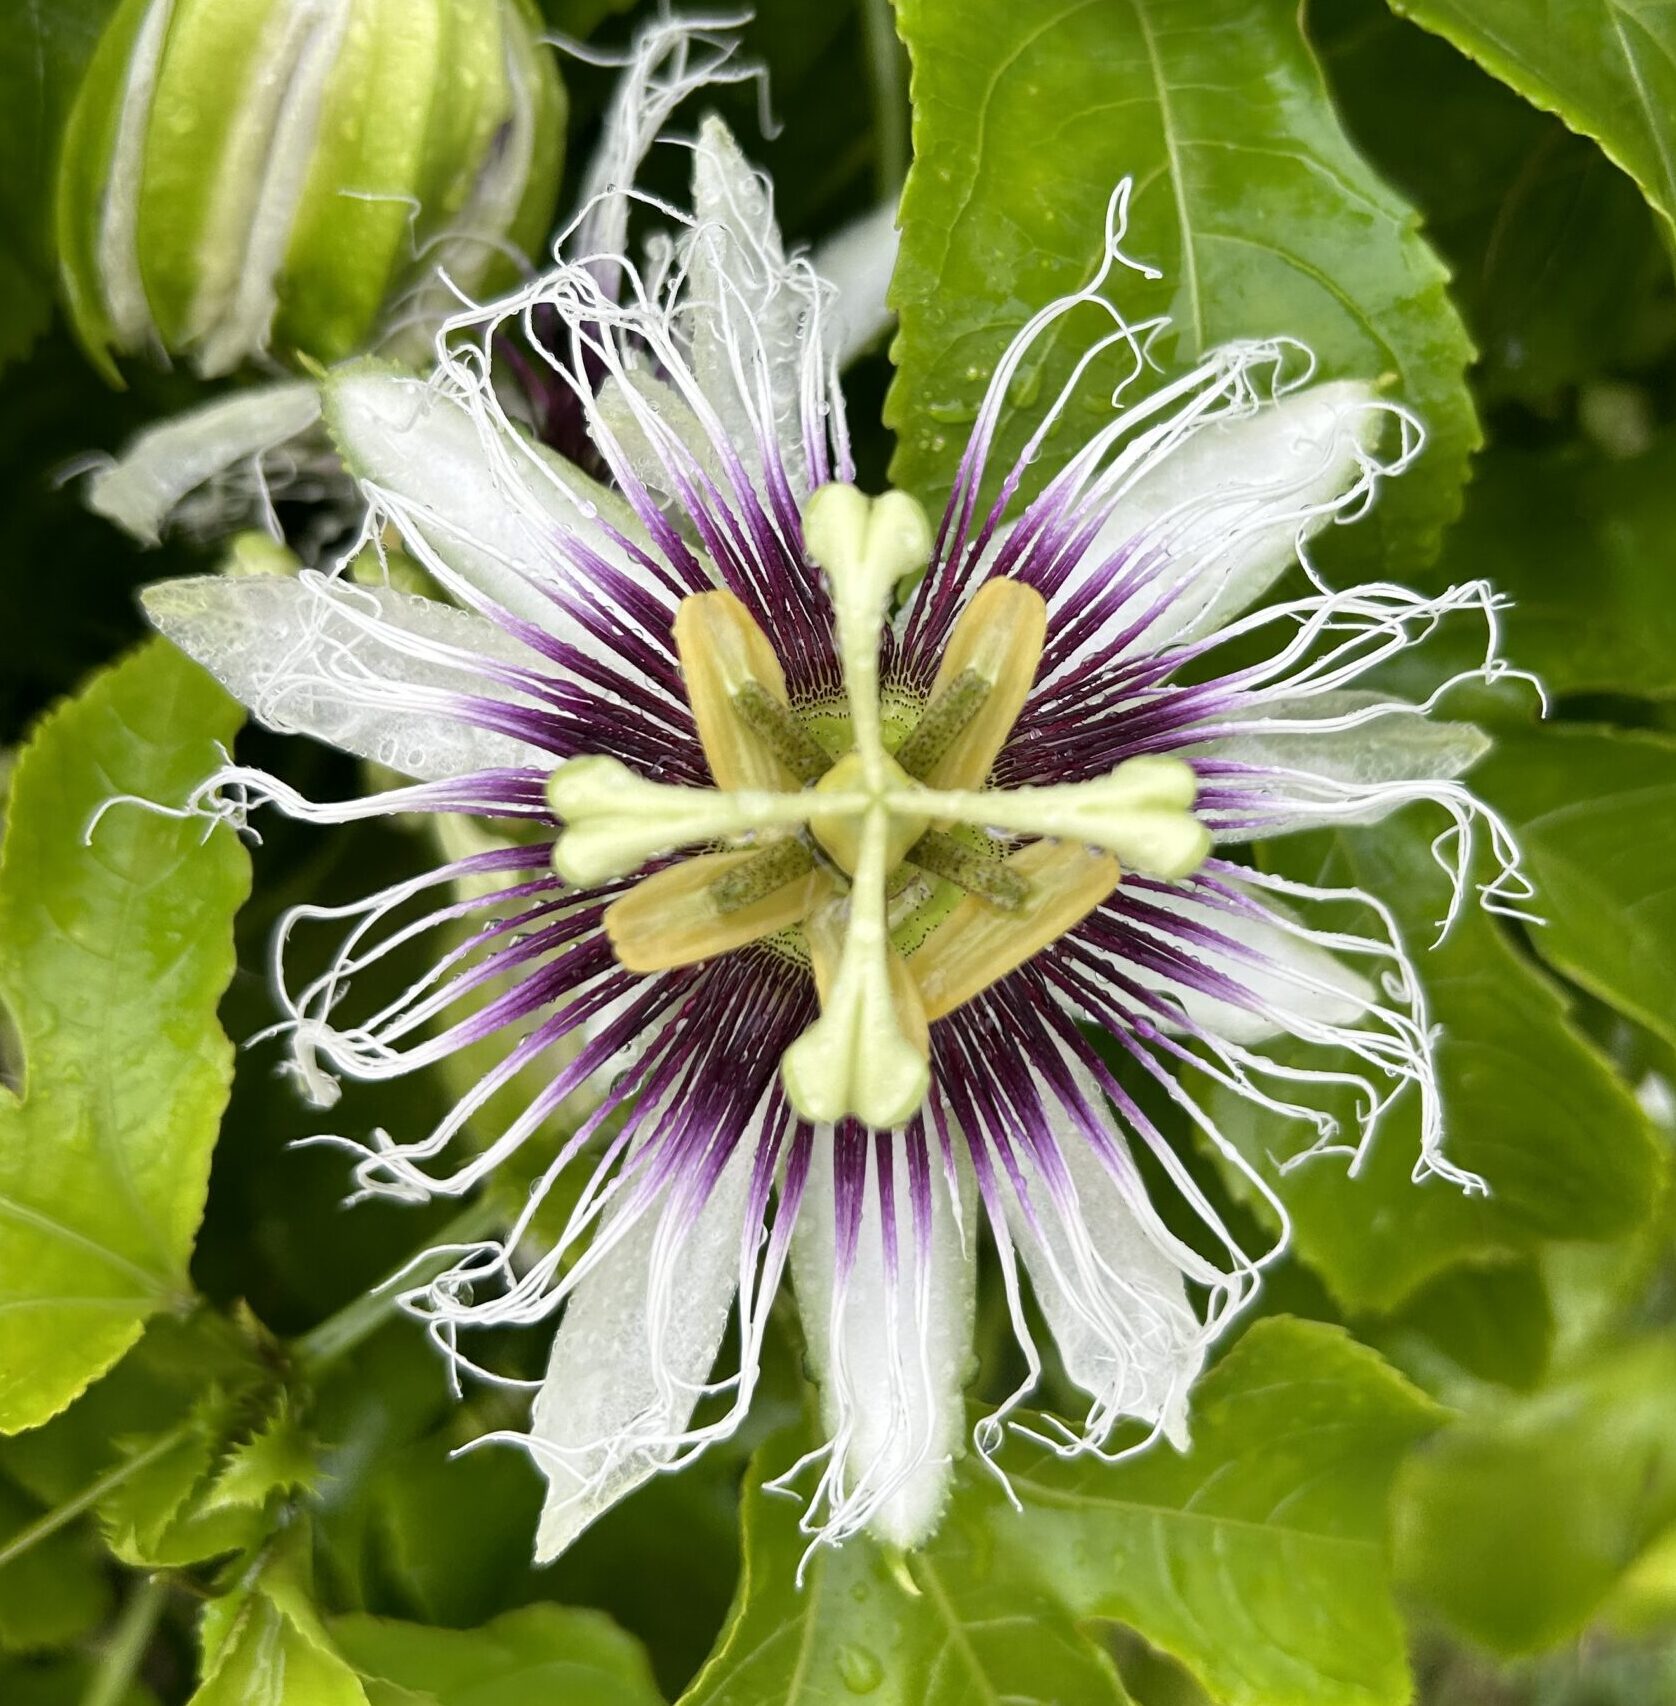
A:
[874,850]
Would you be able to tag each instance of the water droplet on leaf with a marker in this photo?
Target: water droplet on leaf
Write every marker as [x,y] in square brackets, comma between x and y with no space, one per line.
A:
[859,1669]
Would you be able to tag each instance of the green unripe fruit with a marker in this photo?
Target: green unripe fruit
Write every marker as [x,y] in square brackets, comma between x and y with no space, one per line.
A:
[252,177]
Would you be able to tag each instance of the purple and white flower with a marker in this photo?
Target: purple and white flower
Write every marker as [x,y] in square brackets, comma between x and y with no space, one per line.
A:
[803,845]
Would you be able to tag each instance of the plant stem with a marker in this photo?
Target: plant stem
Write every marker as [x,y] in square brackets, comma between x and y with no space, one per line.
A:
[90,1495]
[359,1319]
[129,1644]
[885,66]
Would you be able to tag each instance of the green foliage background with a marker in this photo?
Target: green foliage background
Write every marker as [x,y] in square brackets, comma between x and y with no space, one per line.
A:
[1443,1460]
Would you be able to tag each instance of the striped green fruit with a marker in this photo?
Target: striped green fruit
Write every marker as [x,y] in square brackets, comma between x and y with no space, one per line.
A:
[244,179]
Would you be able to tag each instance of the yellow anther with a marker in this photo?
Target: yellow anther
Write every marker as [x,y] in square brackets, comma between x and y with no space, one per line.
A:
[977,944]
[723,652]
[840,831]
[981,686]
[883,822]
[672,918]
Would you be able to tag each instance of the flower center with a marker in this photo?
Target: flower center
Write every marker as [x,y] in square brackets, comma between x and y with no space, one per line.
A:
[910,886]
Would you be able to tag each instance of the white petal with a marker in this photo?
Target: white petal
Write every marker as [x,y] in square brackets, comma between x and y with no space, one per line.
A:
[614,1401]
[476,502]
[858,262]
[356,667]
[1111,1281]
[1292,982]
[1388,743]
[1229,503]
[891,1376]
[169,460]
[632,407]
[747,305]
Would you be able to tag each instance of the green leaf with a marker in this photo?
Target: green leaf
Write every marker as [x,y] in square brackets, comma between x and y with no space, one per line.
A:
[1261,216]
[539,1652]
[63,1681]
[1257,1559]
[1529,1104]
[52,1594]
[1516,1524]
[1491,1321]
[958,1622]
[113,956]
[150,1393]
[1595,812]
[1581,545]
[264,1643]
[154,1519]
[1559,268]
[216,1486]
[279,1457]
[1607,67]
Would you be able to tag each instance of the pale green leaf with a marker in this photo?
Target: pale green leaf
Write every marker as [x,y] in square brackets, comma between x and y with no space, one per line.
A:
[1262,218]
[278,1458]
[1515,1525]
[539,1652]
[264,1643]
[1595,811]
[113,956]
[963,1621]
[155,1516]
[1257,1559]
[1607,67]
[1580,544]
[217,1484]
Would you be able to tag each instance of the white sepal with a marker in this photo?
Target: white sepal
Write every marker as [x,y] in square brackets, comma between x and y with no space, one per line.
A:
[484,509]
[1320,747]
[1225,510]
[857,261]
[630,1359]
[892,1361]
[1111,1279]
[744,313]
[168,461]
[1293,985]
[367,669]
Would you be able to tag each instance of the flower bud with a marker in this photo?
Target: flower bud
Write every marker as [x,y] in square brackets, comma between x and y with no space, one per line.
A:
[242,177]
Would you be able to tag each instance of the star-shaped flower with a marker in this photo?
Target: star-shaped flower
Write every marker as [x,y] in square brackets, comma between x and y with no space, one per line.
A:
[831,839]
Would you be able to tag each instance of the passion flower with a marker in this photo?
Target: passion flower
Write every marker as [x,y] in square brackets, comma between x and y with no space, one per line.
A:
[833,838]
